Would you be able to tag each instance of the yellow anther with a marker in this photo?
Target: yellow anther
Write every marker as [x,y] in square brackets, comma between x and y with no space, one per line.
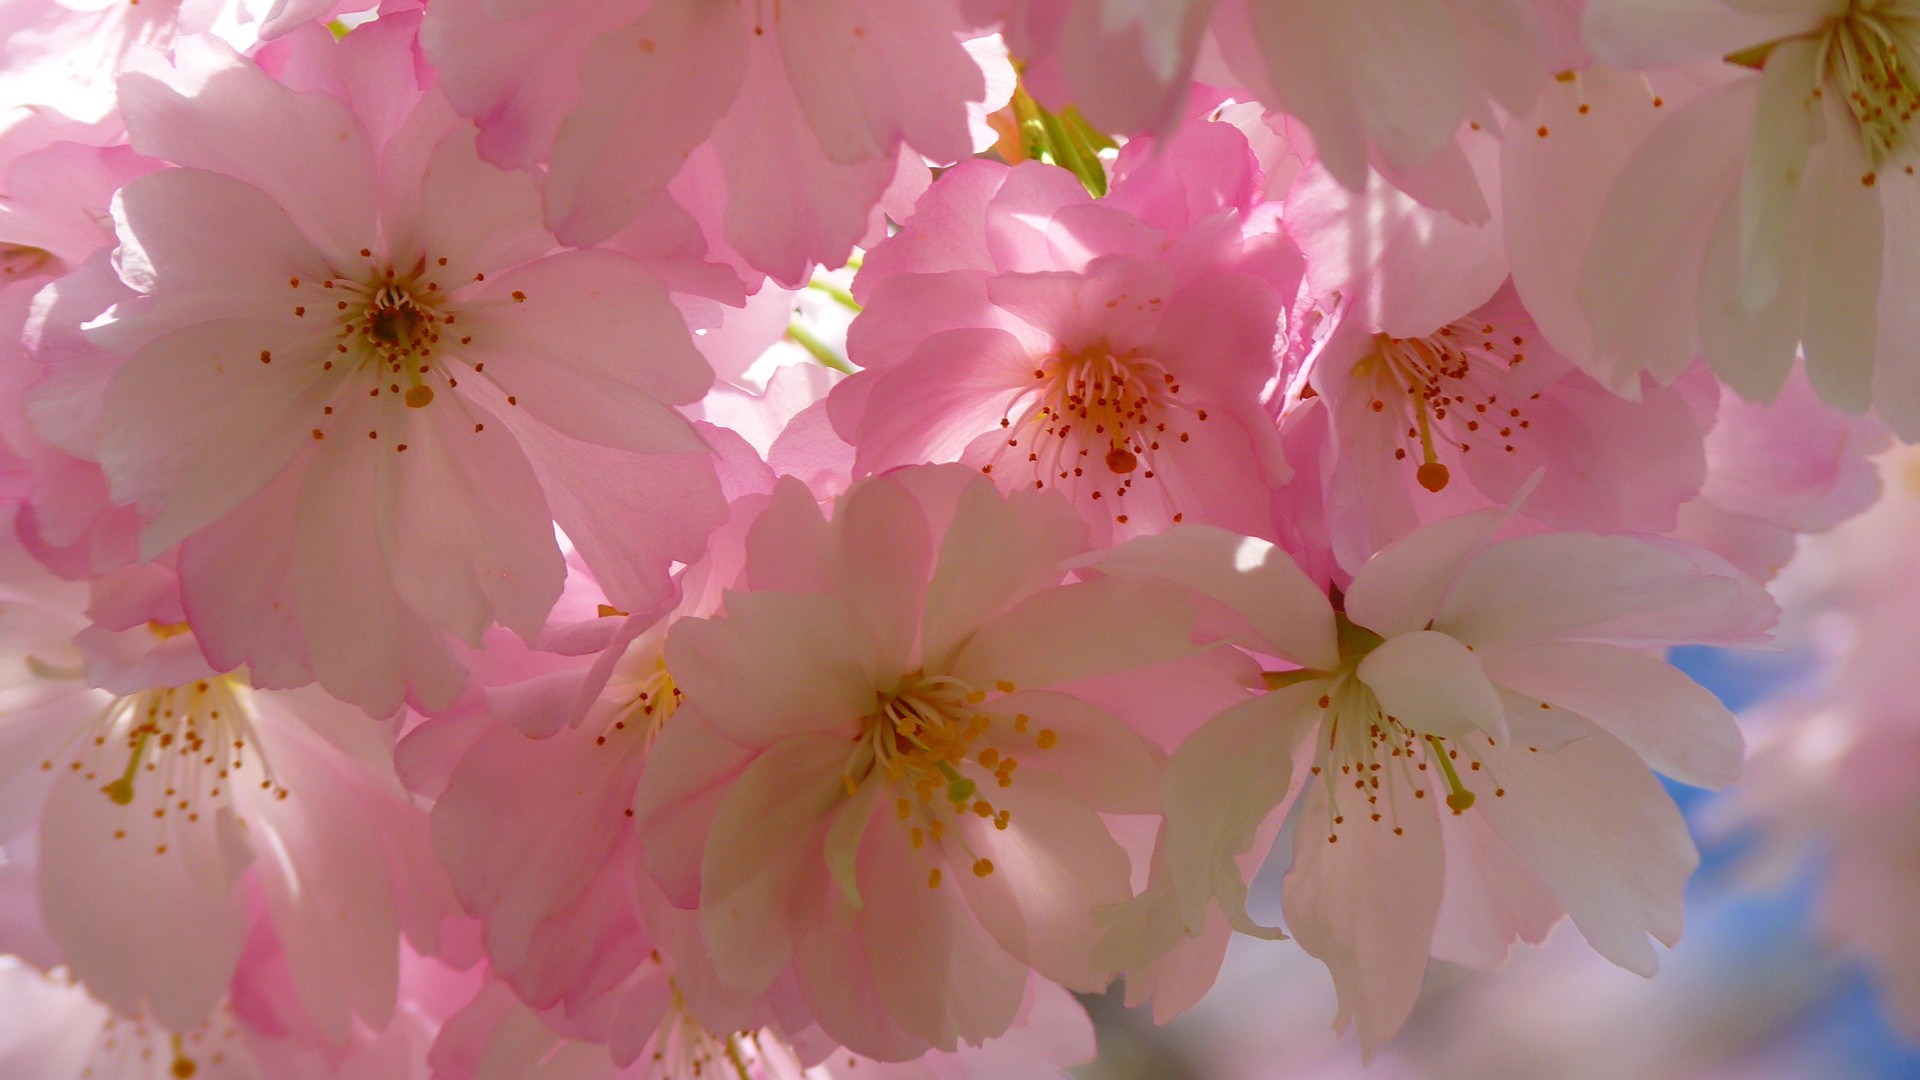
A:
[1020,722]
[1045,739]
[933,878]
[903,808]
[852,788]
[918,838]
[988,757]
[1003,686]
[1000,820]
[983,808]
[936,828]
[976,697]
[981,868]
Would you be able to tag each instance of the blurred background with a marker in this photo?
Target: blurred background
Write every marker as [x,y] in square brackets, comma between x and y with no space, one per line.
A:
[1754,989]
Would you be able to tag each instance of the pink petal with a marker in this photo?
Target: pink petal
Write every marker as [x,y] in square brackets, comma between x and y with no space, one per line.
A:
[1639,278]
[1051,866]
[868,74]
[995,551]
[943,233]
[886,555]
[215,110]
[365,644]
[136,924]
[1433,684]
[1252,577]
[1221,785]
[618,148]
[462,516]
[1490,899]
[777,664]
[788,204]
[594,349]
[957,384]
[1078,631]
[1597,828]
[766,832]
[631,516]
[1671,721]
[190,477]
[1367,903]
[1112,768]
[1574,585]
[1399,590]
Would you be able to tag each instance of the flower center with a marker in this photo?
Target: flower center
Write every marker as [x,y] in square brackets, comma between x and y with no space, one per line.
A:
[924,740]
[133,1047]
[683,1049]
[387,324]
[1446,388]
[1361,745]
[653,704]
[163,753]
[1869,52]
[1092,422]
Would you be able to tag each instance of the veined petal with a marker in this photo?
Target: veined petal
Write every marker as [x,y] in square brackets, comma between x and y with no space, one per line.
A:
[996,551]
[1222,783]
[462,520]
[768,830]
[252,391]
[1366,903]
[216,110]
[1605,588]
[1251,576]
[1672,722]
[775,665]
[1598,829]
[1078,631]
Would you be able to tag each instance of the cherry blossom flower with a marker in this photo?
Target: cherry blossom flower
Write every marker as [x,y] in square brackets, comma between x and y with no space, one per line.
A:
[1440,394]
[380,290]
[1771,212]
[806,108]
[175,807]
[872,789]
[1113,349]
[1503,680]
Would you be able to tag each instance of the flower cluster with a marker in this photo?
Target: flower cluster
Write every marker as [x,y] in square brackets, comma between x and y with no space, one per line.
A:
[664,538]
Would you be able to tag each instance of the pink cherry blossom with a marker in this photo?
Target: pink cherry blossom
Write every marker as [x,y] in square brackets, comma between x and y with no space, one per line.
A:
[872,788]
[1111,349]
[176,807]
[1437,393]
[806,108]
[1504,679]
[1771,212]
[381,291]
